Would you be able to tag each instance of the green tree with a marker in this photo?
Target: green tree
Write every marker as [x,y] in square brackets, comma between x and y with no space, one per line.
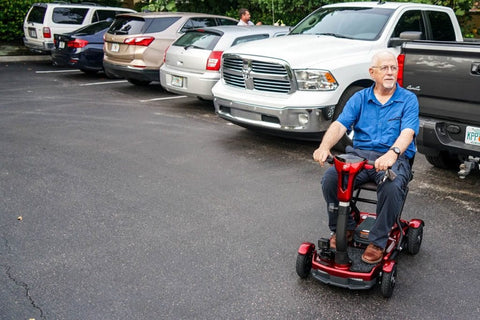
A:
[160,5]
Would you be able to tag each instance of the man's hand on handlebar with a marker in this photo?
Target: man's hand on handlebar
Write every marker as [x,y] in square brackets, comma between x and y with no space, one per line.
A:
[386,161]
[320,155]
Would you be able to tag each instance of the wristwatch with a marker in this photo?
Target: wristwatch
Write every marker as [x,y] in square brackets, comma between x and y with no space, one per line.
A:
[396,150]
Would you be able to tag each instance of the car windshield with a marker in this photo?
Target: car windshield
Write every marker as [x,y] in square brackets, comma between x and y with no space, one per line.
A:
[198,40]
[345,22]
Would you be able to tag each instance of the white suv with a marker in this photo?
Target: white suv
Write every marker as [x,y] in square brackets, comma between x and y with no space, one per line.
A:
[43,20]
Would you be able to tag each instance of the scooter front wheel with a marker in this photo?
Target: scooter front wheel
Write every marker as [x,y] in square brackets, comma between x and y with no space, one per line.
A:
[304,265]
[388,282]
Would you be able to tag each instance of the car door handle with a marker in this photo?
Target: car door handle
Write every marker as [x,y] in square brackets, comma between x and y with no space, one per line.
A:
[475,68]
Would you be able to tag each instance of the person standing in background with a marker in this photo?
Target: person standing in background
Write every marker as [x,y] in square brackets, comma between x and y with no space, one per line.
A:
[244,16]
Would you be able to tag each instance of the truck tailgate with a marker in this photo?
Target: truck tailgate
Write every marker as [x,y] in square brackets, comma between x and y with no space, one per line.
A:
[439,72]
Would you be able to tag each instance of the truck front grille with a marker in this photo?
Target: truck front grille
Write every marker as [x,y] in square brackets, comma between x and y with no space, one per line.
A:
[253,74]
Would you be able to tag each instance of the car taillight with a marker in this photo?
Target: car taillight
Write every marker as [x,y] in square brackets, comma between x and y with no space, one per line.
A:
[77,43]
[165,54]
[139,41]
[46,32]
[401,63]
[214,60]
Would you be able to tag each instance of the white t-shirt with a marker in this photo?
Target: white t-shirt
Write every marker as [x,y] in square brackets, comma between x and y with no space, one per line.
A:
[242,23]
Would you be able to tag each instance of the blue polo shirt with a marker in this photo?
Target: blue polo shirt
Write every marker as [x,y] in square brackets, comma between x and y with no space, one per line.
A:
[378,126]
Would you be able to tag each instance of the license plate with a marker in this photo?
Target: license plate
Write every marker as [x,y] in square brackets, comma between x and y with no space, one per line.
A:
[177,81]
[115,47]
[472,136]
[61,44]
[32,33]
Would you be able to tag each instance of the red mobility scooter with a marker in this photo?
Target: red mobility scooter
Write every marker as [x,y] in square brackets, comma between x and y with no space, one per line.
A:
[344,267]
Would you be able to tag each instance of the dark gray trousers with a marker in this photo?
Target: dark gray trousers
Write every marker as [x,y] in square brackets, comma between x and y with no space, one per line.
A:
[390,195]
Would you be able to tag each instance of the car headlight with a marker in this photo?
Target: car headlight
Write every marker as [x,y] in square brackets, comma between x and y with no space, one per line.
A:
[313,80]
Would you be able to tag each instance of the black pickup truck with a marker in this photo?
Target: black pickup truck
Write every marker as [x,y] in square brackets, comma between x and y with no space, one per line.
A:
[445,76]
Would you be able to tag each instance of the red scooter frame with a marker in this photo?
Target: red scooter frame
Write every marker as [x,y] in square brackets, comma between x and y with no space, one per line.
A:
[343,267]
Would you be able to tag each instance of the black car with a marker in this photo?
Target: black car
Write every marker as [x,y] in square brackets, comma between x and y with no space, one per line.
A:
[82,48]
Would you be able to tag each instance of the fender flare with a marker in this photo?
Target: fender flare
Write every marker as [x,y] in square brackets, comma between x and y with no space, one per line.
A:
[306,248]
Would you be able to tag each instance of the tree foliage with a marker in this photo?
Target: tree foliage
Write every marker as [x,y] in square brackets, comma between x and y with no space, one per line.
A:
[290,12]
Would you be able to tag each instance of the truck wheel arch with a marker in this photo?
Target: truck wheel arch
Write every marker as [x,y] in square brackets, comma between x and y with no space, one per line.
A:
[347,94]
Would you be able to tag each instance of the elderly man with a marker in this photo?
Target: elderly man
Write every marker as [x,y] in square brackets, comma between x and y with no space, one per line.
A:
[384,119]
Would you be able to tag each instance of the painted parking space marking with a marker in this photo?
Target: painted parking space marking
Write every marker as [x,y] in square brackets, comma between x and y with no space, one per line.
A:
[166,98]
[103,82]
[58,71]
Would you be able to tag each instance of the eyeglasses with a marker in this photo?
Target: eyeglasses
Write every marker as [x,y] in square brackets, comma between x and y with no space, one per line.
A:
[386,68]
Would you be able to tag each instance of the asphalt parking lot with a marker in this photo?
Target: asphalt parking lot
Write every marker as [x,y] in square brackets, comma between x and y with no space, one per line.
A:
[125,202]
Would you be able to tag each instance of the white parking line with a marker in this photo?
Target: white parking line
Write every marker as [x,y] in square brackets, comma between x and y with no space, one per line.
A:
[58,71]
[167,98]
[103,82]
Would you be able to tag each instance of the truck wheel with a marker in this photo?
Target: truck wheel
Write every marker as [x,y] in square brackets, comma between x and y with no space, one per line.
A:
[347,139]
[443,160]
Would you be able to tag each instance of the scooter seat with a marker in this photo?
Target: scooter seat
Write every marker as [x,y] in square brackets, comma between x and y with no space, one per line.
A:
[371,186]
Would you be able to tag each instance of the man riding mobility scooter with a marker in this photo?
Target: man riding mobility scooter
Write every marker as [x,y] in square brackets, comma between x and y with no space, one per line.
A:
[343,266]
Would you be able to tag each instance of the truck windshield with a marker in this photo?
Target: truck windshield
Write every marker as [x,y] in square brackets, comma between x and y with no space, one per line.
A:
[352,23]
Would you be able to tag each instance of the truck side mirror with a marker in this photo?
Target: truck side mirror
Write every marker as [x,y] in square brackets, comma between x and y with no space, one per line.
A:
[404,37]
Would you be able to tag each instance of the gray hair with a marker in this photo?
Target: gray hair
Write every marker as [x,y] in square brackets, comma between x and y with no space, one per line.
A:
[380,54]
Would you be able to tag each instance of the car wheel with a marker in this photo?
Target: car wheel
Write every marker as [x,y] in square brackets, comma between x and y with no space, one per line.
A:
[110,75]
[139,82]
[87,71]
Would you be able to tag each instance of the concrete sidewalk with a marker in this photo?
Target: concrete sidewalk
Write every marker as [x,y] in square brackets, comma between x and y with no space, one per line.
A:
[15,53]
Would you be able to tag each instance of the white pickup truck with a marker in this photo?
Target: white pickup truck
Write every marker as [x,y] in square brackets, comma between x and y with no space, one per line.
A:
[297,84]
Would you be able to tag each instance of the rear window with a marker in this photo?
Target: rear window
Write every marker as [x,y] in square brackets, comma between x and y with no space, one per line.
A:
[93,28]
[226,22]
[202,22]
[100,15]
[160,24]
[442,28]
[127,25]
[198,40]
[37,14]
[64,15]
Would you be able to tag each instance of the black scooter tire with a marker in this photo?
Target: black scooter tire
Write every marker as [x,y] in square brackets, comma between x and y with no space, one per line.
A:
[414,236]
[388,282]
[304,265]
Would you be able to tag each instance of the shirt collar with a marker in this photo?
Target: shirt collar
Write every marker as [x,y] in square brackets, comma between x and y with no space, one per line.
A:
[395,98]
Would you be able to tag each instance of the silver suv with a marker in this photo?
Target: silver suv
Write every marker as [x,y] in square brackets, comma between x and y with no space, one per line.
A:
[44,20]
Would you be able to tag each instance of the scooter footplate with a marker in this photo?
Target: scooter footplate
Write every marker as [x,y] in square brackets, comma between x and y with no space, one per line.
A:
[355,255]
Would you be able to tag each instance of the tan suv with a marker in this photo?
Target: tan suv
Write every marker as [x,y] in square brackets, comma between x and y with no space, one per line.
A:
[135,43]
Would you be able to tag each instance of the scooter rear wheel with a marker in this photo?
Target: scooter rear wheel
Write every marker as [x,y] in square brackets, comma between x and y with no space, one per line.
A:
[415,236]
[304,265]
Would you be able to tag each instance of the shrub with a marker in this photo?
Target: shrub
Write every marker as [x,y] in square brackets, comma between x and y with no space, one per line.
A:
[12,14]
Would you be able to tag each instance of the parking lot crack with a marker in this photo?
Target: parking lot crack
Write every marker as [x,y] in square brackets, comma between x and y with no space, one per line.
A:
[26,288]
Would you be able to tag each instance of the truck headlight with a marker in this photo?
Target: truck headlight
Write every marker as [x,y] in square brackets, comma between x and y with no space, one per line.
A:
[313,80]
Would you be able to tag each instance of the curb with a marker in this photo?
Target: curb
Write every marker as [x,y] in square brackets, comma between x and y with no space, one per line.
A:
[24,58]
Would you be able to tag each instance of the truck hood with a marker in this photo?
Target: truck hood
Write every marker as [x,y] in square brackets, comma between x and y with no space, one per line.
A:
[301,49]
